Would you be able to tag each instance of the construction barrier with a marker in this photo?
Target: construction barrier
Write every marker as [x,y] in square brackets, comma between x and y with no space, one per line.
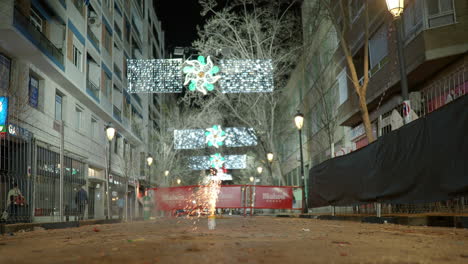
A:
[230,197]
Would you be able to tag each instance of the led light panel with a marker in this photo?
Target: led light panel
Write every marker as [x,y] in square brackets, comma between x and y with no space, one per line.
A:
[154,76]
[166,76]
[196,138]
[231,162]
[246,76]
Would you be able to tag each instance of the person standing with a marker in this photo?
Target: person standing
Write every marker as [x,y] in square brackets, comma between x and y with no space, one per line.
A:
[14,201]
[81,200]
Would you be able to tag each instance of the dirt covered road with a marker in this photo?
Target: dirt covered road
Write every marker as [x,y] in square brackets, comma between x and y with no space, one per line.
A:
[238,240]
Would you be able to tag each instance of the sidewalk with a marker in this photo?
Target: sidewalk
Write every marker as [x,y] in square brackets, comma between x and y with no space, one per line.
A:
[458,221]
[11,228]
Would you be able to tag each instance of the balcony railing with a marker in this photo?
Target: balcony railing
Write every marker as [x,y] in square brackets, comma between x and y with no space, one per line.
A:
[40,40]
[117,114]
[117,72]
[93,39]
[92,90]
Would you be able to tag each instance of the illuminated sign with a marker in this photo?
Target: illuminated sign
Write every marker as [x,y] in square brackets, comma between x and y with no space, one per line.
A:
[3,113]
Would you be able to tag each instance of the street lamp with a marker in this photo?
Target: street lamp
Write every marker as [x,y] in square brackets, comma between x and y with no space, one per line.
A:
[178,181]
[260,170]
[251,179]
[396,7]
[149,160]
[270,157]
[299,121]
[110,133]
[166,173]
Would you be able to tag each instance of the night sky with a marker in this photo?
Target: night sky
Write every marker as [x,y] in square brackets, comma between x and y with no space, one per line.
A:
[179,20]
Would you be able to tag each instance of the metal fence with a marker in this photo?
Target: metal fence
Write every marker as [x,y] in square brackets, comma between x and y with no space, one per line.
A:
[16,189]
[434,95]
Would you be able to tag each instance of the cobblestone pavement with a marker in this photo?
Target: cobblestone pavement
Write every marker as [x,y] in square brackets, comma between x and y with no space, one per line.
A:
[238,240]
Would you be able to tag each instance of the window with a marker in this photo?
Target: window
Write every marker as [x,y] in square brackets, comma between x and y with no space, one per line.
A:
[117,30]
[355,8]
[378,46]
[107,40]
[412,18]
[33,91]
[342,87]
[93,128]
[5,66]
[440,12]
[58,106]
[36,19]
[78,117]
[116,145]
[77,57]
[107,86]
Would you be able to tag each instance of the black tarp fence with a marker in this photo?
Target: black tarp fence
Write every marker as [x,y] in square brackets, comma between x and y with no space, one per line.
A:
[423,161]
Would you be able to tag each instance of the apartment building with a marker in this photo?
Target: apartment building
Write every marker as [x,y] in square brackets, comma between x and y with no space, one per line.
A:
[435,51]
[63,67]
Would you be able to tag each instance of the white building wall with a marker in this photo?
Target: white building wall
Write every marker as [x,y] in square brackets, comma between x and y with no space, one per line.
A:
[71,83]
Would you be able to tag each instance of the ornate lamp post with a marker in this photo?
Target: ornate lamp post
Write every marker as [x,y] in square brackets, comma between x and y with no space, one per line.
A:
[110,133]
[149,161]
[299,122]
[396,7]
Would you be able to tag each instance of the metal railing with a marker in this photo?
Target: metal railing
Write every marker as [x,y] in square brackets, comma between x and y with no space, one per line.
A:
[93,39]
[117,114]
[92,90]
[16,188]
[36,36]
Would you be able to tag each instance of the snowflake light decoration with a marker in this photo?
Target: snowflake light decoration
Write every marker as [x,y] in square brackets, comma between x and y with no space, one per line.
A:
[217,161]
[215,136]
[201,74]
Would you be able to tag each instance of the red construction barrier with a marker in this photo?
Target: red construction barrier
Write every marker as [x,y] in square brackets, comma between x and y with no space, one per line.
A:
[273,197]
[230,196]
[173,198]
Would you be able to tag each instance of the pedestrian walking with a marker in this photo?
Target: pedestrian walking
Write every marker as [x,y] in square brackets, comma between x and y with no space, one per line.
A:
[81,200]
[121,205]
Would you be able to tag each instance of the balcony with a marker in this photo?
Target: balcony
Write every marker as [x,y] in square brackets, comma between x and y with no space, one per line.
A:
[117,72]
[92,90]
[23,24]
[117,114]
[79,6]
[93,39]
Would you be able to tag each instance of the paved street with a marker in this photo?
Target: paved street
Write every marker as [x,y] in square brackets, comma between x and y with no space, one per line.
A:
[238,240]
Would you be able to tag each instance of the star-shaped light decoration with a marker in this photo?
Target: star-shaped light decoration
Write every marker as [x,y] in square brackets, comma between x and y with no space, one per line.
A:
[217,161]
[215,136]
[201,74]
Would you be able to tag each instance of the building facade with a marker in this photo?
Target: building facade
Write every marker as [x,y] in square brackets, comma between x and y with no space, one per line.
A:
[63,68]
[435,51]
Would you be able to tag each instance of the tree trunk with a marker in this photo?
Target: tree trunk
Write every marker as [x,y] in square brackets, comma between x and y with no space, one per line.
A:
[365,118]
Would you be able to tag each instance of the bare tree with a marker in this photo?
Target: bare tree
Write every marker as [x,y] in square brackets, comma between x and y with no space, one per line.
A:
[341,22]
[162,142]
[250,29]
